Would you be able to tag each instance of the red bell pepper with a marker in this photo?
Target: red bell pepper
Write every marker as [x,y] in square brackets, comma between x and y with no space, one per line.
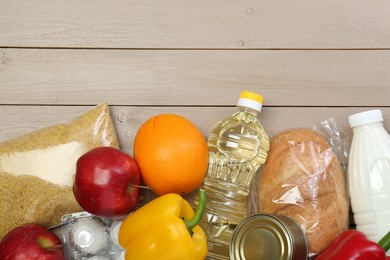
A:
[353,244]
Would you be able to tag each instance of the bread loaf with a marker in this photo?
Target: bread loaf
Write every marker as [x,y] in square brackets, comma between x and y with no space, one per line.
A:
[302,179]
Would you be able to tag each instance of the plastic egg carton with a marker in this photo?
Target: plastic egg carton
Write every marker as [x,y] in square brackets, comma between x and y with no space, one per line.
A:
[86,236]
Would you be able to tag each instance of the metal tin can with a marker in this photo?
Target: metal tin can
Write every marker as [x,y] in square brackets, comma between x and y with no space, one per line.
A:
[268,236]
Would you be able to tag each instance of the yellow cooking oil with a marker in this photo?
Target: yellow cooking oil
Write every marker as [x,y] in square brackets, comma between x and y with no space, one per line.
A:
[238,146]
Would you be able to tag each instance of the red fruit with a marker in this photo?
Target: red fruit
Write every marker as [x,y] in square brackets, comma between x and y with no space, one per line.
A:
[31,242]
[103,182]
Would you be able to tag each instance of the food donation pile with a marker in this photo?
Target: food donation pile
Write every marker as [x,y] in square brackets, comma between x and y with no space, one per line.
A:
[78,166]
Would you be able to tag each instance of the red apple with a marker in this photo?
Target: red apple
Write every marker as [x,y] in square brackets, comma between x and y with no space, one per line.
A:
[103,182]
[30,242]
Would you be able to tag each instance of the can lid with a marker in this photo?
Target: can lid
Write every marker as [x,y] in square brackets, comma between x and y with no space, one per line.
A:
[267,236]
[367,117]
[251,100]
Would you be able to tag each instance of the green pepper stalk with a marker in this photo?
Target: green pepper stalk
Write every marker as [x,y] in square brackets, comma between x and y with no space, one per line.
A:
[385,242]
[191,223]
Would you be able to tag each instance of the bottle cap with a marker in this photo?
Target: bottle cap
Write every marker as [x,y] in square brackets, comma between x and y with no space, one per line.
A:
[367,117]
[251,100]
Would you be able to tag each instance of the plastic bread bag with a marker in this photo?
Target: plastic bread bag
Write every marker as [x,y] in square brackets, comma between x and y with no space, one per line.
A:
[303,178]
[37,169]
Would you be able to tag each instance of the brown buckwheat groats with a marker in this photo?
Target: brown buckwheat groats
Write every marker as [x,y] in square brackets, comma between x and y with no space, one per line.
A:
[37,169]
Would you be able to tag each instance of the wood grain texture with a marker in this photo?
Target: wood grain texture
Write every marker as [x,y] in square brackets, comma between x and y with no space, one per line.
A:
[194,77]
[311,60]
[18,120]
[331,24]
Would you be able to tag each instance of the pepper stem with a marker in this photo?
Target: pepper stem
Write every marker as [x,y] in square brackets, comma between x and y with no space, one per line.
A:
[191,223]
[385,242]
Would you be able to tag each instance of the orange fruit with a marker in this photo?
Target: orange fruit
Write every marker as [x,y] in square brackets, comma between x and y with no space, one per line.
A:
[171,153]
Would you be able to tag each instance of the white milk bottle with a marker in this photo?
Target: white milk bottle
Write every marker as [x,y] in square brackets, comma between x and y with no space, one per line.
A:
[369,174]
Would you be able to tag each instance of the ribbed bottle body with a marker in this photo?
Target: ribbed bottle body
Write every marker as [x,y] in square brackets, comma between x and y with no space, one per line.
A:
[238,146]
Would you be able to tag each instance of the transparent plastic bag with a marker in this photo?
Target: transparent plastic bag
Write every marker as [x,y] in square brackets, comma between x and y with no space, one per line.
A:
[37,169]
[304,179]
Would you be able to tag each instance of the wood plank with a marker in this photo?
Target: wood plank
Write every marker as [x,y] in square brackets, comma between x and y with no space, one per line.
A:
[194,77]
[18,120]
[201,24]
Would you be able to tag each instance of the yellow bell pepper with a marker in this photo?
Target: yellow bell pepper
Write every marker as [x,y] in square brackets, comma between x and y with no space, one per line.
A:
[165,229]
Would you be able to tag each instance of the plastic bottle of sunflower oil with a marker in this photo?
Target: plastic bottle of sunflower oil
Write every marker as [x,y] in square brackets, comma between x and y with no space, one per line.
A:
[369,174]
[238,146]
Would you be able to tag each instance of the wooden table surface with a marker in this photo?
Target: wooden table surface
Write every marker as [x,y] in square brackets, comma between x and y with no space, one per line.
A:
[311,60]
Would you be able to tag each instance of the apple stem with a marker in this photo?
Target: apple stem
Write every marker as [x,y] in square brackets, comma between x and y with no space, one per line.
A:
[140,186]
